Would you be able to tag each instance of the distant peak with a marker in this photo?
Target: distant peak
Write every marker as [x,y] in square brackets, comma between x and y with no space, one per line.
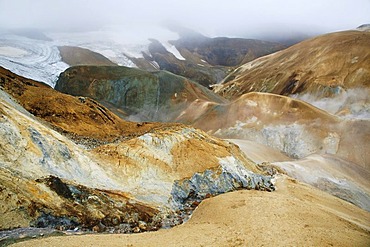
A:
[364,27]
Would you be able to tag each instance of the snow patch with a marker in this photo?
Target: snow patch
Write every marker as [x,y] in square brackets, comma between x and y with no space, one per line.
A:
[172,49]
[155,64]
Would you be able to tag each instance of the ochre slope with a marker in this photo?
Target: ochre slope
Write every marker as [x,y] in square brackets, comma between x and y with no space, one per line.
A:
[78,116]
[323,65]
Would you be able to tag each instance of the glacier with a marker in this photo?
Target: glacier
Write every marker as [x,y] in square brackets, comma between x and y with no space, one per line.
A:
[35,59]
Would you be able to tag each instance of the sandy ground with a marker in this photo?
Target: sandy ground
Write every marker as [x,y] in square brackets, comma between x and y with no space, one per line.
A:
[294,215]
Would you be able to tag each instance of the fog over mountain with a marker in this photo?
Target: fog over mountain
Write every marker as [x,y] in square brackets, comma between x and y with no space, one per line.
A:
[241,18]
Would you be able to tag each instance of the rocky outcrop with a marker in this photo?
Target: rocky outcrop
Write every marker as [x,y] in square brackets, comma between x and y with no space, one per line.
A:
[144,96]
[229,177]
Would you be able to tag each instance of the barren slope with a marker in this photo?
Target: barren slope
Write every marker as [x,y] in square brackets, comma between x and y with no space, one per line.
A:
[333,175]
[324,66]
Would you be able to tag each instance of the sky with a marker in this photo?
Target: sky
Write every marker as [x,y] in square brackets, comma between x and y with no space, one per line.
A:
[232,18]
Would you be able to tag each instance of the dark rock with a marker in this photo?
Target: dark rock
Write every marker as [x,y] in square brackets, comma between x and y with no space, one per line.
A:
[50,221]
[215,182]
[55,184]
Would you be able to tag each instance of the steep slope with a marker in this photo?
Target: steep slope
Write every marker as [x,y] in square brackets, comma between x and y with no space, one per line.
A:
[322,66]
[145,96]
[296,214]
[80,56]
[289,125]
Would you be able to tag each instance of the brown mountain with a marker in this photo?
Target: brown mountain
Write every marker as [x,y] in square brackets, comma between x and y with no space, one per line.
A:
[323,66]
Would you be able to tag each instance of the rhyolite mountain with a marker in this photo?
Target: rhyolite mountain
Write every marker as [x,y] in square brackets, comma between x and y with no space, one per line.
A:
[291,126]
[323,66]
[69,162]
[205,60]
[135,93]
